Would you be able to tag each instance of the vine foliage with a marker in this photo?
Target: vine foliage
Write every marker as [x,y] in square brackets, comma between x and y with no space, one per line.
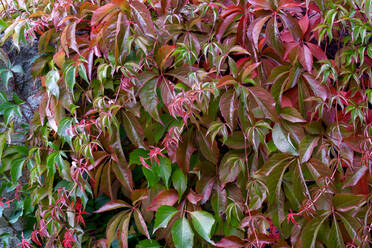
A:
[193,123]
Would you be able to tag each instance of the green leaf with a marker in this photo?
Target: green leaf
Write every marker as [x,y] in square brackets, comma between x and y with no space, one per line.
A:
[65,131]
[165,170]
[112,225]
[152,177]
[335,236]
[16,168]
[149,99]
[18,69]
[83,73]
[311,229]
[163,216]
[207,147]
[70,77]
[134,156]
[51,83]
[5,76]
[179,182]
[203,223]
[148,243]
[51,163]
[230,166]
[273,36]
[182,234]
[347,201]
[352,226]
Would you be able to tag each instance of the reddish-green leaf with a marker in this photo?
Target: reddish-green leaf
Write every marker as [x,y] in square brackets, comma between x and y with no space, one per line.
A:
[228,106]
[143,17]
[163,54]
[318,89]
[140,223]
[292,115]
[255,29]
[307,146]
[165,197]
[230,242]
[115,204]
[149,98]
[133,129]
[346,201]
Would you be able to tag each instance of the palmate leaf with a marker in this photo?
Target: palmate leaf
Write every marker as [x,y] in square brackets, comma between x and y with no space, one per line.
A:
[273,171]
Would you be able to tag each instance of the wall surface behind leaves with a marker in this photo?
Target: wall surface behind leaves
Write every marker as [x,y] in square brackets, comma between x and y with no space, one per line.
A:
[29,88]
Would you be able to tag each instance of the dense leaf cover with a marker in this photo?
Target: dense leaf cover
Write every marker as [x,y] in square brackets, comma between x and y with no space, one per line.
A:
[194,123]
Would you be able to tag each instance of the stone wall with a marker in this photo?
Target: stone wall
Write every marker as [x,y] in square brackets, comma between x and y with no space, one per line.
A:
[28,88]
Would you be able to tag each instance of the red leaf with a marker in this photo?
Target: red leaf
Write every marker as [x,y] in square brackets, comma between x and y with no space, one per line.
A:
[304,23]
[292,25]
[193,197]
[316,51]
[287,4]
[318,89]
[165,197]
[306,58]
[261,4]
[230,242]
